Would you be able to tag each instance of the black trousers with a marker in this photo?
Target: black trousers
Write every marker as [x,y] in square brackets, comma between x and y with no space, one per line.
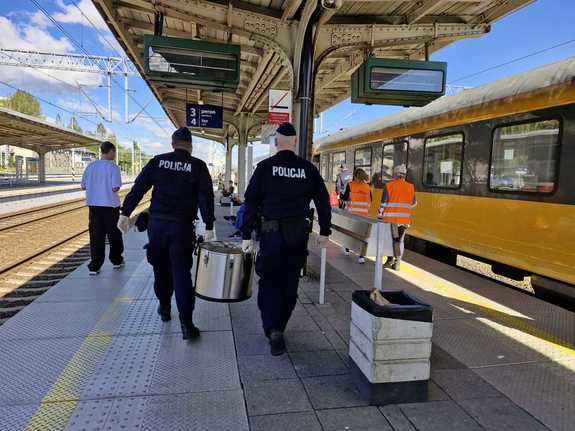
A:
[171,251]
[103,223]
[278,265]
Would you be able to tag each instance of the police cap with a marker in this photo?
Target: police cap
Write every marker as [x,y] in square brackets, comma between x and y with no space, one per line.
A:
[286,129]
[182,134]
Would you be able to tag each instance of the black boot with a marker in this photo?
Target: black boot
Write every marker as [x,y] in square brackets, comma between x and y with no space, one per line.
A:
[165,313]
[277,343]
[189,330]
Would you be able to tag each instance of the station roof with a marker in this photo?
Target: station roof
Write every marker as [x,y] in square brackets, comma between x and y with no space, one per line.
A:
[271,34]
[550,85]
[21,130]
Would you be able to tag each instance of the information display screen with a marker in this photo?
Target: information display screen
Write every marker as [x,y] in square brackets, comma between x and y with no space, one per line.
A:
[396,79]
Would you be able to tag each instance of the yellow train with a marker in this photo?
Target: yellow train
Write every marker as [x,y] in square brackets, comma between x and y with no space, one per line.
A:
[494,171]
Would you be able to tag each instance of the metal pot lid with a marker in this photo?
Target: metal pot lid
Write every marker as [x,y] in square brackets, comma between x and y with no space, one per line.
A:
[223,247]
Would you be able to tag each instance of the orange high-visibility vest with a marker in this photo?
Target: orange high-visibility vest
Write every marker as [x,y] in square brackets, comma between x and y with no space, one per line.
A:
[359,198]
[397,208]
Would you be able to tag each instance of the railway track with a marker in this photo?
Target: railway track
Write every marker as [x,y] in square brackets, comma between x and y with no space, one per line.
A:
[41,246]
[31,215]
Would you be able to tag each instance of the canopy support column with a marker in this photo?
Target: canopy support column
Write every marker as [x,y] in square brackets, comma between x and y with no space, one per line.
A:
[41,167]
[306,85]
[243,144]
[250,167]
[228,171]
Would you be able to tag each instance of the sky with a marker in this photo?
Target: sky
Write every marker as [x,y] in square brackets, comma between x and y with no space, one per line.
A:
[542,24]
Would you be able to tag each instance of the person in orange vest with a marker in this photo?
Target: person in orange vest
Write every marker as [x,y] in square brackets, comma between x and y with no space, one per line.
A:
[357,198]
[397,202]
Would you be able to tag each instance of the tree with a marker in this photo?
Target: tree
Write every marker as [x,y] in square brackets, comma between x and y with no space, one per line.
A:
[23,102]
[100,130]
[73,125]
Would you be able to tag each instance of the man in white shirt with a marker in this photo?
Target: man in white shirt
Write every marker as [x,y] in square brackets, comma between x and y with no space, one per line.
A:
[102,180]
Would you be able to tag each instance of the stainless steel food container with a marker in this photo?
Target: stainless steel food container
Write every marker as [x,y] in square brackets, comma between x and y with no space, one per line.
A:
[223,272]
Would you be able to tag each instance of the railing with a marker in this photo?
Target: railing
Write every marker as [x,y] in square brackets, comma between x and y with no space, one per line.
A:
[365,236]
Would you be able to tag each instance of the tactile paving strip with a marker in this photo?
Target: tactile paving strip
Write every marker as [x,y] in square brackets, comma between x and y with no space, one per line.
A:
[142,318]
[90,415]
[126,368]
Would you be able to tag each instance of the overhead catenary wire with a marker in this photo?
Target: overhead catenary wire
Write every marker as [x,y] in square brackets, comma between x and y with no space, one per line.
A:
[55,105]
[75,87]
[79,46]
[104,38]
[515,60]
[133,99]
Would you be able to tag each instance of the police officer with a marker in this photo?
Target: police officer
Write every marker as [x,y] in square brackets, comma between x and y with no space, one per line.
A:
[181,183]
[280,192]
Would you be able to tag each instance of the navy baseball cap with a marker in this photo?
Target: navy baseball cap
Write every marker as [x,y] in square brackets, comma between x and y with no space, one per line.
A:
[182,134]
[286,129]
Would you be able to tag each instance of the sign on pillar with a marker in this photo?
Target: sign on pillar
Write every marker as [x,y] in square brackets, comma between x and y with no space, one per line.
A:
[279,108]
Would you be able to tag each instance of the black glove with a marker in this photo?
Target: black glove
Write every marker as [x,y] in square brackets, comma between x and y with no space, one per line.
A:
[142,221]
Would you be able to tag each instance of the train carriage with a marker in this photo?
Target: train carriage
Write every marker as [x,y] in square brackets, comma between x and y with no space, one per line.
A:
[494,171]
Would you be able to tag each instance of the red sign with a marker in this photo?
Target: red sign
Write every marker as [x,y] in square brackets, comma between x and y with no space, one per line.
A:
[278,117]
[279,107]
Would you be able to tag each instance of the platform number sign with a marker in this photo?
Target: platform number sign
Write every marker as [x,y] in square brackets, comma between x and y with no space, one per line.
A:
[204,116]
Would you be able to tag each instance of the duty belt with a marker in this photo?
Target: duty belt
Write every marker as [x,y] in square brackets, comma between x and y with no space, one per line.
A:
[159,216]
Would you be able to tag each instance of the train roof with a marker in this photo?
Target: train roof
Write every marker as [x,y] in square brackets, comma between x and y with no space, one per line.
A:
[556,74]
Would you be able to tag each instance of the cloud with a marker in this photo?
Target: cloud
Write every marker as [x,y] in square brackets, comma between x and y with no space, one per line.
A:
[108,41]
[162,133]
[84,106]
[30,37]
[69,14]
[40,20]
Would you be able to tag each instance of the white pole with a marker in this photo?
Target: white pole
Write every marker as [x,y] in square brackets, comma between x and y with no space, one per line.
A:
[109,96]
[126,112]
[378,258]
[133,159]
[322,276]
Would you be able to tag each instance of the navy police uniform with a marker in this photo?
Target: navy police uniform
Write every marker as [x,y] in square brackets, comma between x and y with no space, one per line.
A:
[181,183]
[279,195]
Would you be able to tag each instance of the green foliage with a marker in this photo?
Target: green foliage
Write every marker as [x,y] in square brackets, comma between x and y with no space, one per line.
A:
[23,102]
[100,130]
[74,125]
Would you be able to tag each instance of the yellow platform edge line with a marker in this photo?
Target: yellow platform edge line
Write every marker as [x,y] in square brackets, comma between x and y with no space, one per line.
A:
[59,403]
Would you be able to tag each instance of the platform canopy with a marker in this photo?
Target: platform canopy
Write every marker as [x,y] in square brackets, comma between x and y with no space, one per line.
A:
[272,32]
[21,130]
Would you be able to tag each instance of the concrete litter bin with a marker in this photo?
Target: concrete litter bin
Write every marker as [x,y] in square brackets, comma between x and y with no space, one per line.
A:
[390,347]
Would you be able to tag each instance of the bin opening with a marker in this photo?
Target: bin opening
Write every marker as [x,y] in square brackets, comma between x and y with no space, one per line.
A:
[402,306]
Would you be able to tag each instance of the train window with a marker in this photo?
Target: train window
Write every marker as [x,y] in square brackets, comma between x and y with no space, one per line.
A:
[524,157]
[337,159]
[442,161]
[393,155]
[324,166]
[362,159]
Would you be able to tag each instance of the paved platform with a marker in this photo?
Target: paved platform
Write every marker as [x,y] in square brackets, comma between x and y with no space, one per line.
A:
[91,354]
